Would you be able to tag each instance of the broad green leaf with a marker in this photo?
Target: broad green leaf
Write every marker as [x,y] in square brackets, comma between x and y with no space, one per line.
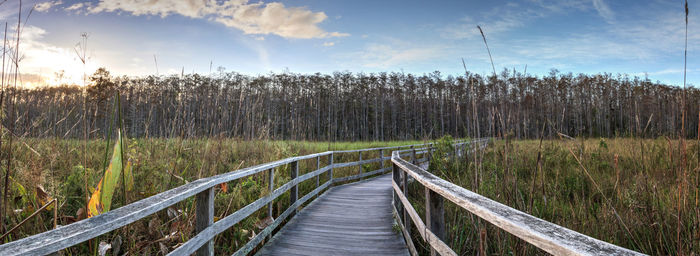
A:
[101,199]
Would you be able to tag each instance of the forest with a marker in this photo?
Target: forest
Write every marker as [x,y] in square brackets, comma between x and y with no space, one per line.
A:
[346,106]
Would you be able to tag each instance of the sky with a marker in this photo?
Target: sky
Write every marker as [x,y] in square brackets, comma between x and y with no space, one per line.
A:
[146,37]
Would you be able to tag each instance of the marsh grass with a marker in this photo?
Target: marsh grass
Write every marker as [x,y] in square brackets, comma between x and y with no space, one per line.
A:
[641,188]
[159,165]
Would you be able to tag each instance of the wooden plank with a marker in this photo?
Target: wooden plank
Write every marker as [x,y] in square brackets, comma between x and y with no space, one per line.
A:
[207,234]
[351,219]
[204,218]
[358,176]
[547,236]
[268,230]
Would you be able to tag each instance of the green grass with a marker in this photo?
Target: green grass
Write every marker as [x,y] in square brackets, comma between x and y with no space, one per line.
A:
[642,187]
[159,165]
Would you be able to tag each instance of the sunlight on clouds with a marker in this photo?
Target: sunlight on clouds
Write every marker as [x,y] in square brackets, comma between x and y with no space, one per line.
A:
[251,18]
[55,65]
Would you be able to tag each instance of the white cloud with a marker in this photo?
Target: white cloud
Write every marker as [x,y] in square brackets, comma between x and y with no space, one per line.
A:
[39,57]
[77,7]
[604,10]
[46,6]
[251,18]
[328,44]
[396,54]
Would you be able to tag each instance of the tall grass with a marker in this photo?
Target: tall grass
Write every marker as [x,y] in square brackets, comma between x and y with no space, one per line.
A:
[607,190]
[156,164]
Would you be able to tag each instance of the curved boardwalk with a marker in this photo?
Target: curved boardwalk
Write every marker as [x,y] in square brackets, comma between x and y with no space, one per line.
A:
[352,219]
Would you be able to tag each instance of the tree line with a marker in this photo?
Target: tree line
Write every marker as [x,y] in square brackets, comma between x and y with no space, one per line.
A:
[358,106]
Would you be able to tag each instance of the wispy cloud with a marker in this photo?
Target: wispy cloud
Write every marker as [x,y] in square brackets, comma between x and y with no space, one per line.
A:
[328,44]
[273,18]
[508,17]
[604,10]
[46,6]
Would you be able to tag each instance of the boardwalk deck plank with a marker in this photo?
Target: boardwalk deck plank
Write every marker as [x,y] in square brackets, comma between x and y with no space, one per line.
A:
[352,219]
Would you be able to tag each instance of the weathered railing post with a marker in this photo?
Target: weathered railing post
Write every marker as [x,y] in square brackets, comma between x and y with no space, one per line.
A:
[294,191]
[318,166]
[381,156]
[359,166]
[406,222]
[204,218]
[396,176]
[434,215]
[413,155]
[271,187]
[330,172]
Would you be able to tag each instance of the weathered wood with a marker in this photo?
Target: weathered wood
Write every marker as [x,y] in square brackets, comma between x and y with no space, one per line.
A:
[407,204]
[354,177]
[268,230]
[381,156]
[294,191]
[350,219]
[359,166]
[404,232]
[547,236]
[330,164]
[270,187]
[207,234]
[204,219]
[434,215]
[318,166]
[425,233]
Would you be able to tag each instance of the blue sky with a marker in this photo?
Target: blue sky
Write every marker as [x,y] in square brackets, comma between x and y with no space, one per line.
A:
[579,36]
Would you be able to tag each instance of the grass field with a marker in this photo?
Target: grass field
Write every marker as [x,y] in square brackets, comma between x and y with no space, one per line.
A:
[159,165]
[630,196]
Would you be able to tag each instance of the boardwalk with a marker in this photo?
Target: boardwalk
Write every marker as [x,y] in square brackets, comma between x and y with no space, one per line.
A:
[352,219]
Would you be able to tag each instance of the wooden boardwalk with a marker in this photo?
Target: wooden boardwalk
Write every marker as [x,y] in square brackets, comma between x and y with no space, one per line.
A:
[352,219]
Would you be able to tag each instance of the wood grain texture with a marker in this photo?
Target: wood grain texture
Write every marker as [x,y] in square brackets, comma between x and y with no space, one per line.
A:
[352,219]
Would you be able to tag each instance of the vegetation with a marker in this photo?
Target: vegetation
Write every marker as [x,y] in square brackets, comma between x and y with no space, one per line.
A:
[344,106]
[54,166]
[627,195]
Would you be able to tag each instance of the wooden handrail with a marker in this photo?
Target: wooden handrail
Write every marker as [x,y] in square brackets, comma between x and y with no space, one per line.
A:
[545,235]
[202,243]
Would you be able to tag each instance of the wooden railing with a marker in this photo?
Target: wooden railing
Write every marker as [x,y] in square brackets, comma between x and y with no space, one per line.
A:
[547,236]
[203,190]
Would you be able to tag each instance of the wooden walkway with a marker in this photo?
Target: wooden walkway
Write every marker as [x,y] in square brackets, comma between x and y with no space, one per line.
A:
[352,219]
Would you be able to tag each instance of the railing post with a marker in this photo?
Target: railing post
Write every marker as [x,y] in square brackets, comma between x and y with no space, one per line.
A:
[381,156]
[406,223]
[205,218]
[294,191]
[271,187]
[396,176]
[413,155]
[330,172]
[318,166]
[434,215]
[359,166]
